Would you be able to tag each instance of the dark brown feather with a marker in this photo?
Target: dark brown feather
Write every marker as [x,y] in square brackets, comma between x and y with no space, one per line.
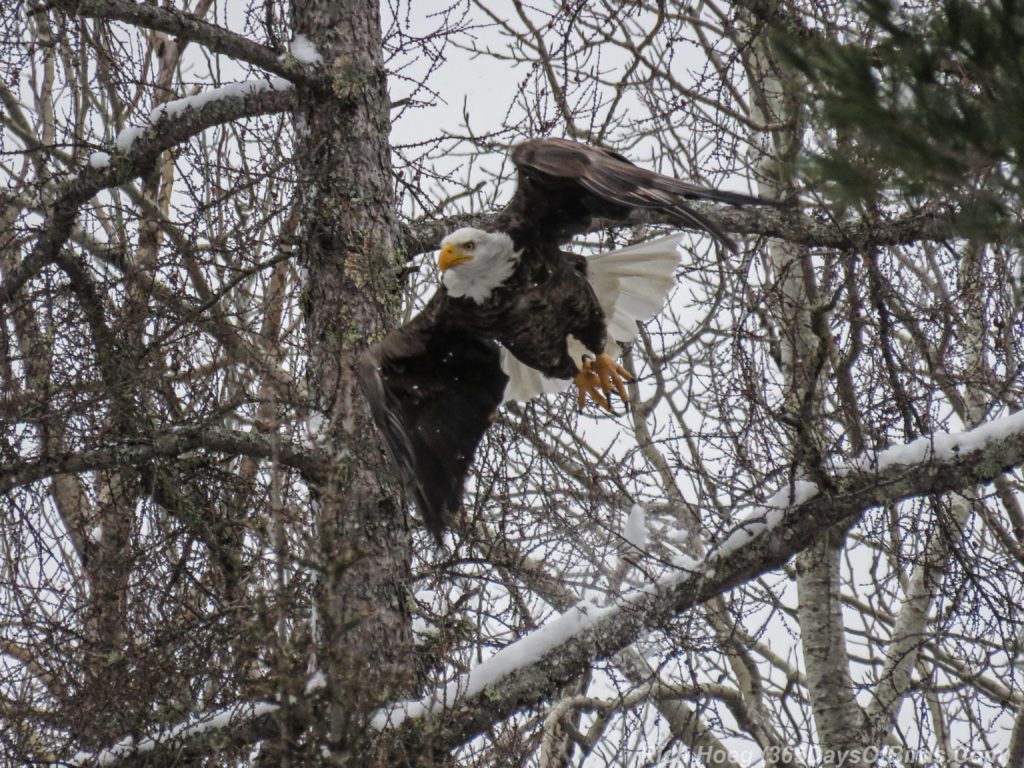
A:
[432,389]
[564,185]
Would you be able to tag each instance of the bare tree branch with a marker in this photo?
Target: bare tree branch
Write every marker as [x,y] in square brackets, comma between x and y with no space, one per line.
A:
[189,27]
[168,131]
[310,461]
[422,236]
[754,548]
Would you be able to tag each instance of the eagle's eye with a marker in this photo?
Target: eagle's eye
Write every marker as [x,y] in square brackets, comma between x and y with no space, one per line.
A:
[468,246]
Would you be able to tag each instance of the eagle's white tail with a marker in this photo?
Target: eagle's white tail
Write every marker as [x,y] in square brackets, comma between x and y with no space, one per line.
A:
[632,284]
[524,382]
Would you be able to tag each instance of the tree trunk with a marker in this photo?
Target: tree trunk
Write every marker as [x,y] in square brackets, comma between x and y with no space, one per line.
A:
[347,240]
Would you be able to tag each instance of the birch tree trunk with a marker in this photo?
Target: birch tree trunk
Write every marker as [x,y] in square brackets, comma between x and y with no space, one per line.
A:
[801,317]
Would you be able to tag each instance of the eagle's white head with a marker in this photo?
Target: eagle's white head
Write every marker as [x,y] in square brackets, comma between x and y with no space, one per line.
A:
[473,262]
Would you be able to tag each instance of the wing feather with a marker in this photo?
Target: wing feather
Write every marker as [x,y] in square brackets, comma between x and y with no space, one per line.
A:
[432,392]
[563,185]
[632,283]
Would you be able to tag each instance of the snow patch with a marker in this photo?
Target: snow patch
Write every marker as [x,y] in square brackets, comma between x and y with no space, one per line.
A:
[679,536]
[635,529]
[127,137]
[765,517]
[313,434]
[304,51]
[99,160]
[422,629]
[317,681]
[687,563]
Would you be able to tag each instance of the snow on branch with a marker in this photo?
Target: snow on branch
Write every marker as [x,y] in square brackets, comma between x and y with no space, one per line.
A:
[528,671]
[184,25]
[197,102]
[135,151]
[525,651]
[208,723]
[212,95]
[525,672]
[247,722]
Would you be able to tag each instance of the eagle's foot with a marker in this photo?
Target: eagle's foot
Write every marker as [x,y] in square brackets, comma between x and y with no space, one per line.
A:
[598,378]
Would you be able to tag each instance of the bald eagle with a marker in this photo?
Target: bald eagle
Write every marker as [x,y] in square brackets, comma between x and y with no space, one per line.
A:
[515,316]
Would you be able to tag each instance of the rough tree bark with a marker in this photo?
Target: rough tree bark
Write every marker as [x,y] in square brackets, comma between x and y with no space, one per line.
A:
[347,238]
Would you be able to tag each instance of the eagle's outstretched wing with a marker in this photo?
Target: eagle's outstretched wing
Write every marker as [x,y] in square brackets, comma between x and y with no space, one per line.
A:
[563,185]
[432,391]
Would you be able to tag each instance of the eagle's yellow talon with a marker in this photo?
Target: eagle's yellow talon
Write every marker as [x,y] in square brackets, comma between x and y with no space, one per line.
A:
[598,378]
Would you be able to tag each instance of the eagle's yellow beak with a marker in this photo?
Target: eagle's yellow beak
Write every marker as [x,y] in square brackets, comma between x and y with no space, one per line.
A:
[450,256]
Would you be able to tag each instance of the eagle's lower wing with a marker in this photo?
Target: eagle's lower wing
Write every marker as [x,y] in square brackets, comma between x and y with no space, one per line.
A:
[555,176]
[432,392]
